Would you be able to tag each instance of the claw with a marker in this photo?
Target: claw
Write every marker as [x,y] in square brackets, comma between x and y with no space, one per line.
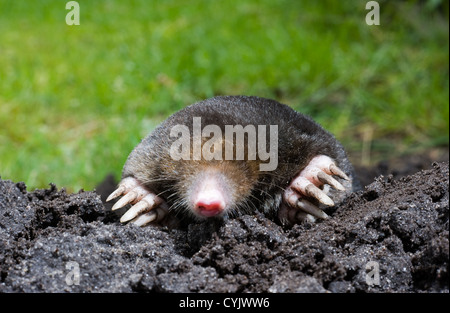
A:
[291,214]
[116,193]
[125,186]
[127,199]
[134,195]
[310,208]
[156,215]
[337,171]
[303,186]
[327,179]
[315,192]
[319,171]
[327,165]
[144,219]
[146,204]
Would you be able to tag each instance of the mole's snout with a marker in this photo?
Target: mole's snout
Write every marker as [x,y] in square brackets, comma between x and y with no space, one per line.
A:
[209,197]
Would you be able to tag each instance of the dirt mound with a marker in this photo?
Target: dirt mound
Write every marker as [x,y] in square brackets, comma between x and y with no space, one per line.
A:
[393,236]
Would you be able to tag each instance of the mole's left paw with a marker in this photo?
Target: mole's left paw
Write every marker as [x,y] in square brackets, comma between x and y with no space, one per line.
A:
[295,206]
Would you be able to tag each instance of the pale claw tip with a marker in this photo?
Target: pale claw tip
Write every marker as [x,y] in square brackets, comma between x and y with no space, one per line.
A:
[128,198]
[338,172]
[119,191]
[327,179]
[145,219]
[311,209]
[134,211]
[315,192]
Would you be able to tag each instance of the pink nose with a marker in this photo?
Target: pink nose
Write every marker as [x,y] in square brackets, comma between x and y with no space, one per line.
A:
[209,208]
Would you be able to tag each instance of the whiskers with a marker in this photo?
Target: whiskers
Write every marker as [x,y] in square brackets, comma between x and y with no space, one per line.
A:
[265,194]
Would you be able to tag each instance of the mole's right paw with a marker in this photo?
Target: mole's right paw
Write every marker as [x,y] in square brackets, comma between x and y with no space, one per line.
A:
[147,207]
[305,187]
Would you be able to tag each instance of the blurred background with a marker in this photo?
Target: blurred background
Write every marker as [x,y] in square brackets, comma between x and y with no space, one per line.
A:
[75,100]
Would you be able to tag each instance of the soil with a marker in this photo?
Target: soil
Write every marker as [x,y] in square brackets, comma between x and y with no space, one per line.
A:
[392,236]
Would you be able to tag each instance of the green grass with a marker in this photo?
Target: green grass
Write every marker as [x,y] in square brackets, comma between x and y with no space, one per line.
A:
[75,100]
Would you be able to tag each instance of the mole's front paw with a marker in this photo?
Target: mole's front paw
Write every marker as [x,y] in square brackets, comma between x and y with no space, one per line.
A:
[295,206]
[147,207]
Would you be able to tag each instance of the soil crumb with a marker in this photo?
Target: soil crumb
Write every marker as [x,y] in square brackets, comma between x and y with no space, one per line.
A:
[392,236]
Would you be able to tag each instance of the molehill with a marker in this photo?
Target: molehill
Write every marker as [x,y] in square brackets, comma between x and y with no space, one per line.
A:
[396,227]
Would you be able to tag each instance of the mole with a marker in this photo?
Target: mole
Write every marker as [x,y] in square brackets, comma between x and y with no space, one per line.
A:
[232,155]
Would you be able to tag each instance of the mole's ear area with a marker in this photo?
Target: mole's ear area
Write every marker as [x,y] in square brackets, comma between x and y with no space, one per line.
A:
[147,206]
[319,171]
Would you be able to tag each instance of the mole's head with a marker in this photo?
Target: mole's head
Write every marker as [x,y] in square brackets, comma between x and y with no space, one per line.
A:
[214,189]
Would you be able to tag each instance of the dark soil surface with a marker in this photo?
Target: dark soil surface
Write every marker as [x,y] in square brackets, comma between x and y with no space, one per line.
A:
[393,236]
